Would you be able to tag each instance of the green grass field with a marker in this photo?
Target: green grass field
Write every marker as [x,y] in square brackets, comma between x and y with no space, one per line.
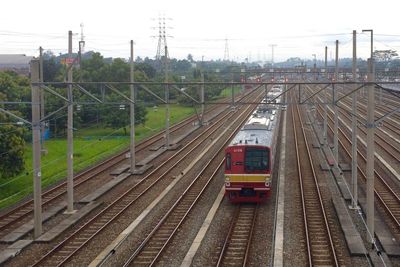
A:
[91,145]
[227,92]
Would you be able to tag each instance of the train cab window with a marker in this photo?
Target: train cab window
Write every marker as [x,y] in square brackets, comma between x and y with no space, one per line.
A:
[256,159]
[228,161]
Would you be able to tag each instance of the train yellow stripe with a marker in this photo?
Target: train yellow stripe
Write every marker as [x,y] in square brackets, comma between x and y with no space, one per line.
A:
[247,178]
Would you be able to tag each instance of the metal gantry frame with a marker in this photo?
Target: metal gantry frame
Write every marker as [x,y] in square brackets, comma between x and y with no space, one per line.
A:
[145,86]
[38,116]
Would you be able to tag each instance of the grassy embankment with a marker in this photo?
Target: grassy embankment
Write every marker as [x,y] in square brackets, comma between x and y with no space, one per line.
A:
[91,145]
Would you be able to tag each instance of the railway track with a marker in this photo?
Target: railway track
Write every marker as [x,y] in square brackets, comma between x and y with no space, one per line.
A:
[386,196]
[389,102]
[150,250]
[17,214]
[383,142]
[71,245]
[390,145]
[391,127]
[21,213]
[386,188]
[235,249]
[319,240]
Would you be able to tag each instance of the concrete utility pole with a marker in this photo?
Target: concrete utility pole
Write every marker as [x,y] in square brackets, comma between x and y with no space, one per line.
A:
[202,99]
[336,123]
[166,100]
[70,134]
[370,146]
[41,101]
[233,97]
[272,56]
[132,107]
[315,66]
[326,101]
[354,184]
[370,153]
[37,174]
[266,90]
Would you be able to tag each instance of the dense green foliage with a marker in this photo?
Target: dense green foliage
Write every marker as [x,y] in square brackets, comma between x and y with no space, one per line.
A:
[12,144]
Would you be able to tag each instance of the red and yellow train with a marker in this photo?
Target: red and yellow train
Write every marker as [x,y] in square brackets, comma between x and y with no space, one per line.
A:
[250,156]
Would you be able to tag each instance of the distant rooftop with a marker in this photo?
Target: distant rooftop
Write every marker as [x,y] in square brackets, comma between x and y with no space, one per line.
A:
[14,60]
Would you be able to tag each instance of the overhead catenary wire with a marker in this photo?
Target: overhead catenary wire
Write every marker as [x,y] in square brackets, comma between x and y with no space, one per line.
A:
[120,40]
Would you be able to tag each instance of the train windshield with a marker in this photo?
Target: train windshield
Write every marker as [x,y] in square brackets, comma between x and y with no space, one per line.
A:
[257,159]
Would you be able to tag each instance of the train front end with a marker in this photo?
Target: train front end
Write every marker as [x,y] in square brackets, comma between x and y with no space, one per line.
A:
[247,173]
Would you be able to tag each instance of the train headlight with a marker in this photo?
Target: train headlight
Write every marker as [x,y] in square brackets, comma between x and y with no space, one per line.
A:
[227,184]
[266,184]
[227,179]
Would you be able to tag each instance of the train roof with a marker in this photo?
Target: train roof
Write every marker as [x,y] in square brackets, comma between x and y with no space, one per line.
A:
[258,130]
[252,137]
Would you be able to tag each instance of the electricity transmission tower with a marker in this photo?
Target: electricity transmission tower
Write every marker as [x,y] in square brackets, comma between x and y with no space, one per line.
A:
[162,48]
[226,53]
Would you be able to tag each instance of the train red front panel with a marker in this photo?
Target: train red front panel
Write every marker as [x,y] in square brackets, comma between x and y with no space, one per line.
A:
[241,184]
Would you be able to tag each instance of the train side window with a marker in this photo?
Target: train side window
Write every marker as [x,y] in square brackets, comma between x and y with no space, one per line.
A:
[228,161]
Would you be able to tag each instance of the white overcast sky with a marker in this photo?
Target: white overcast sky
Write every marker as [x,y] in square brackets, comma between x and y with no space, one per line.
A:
[298,28]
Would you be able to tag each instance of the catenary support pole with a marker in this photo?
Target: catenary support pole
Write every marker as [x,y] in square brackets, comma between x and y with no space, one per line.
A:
[202,99]
[167,117]
[336,123]
[42,128]
[370,153]
[354,184]
[285,95]
[70,134]
[233,96]
[325,127]
[132,111]
[266,91]
[37,175]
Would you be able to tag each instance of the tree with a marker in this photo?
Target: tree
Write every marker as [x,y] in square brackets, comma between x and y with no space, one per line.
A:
[12,148]
[118,116]
[385,55]
[118,71]
[12,143]
[147,69]
[50,67]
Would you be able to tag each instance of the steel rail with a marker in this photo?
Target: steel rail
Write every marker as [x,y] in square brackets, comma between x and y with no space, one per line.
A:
[307,200]
[59,190]
[111,215]
[389,201]
[223,258]
[143,244]
[26,208]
